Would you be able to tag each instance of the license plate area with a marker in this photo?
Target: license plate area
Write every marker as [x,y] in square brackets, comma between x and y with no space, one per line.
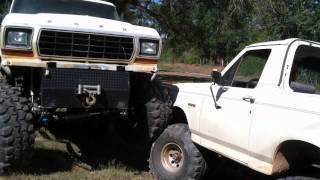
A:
[89,90]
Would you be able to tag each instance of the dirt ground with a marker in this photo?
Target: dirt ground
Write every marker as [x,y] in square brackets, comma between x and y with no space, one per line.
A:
[187,68]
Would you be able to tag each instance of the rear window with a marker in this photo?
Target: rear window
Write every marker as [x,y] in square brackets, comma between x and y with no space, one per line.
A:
[305,71]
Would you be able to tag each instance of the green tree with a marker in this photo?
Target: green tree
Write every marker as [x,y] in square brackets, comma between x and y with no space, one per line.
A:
[216,28]
[288,18]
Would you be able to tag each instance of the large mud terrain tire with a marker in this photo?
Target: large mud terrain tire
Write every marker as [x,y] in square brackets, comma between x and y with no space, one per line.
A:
[16,129]
[152,110]
[158,114]
[174,156]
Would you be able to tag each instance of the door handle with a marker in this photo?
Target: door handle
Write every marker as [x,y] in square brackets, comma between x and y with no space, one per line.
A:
[249,99]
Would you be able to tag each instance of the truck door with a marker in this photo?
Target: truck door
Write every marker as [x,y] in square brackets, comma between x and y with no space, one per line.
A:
[226,129]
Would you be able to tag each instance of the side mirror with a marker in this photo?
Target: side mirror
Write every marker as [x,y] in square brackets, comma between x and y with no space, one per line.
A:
[216,79]
[216,76]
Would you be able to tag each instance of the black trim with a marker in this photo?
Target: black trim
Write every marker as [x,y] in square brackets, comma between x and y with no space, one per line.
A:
[88,53]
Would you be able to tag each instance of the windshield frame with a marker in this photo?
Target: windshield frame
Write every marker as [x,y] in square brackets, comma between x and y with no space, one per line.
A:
[115,14]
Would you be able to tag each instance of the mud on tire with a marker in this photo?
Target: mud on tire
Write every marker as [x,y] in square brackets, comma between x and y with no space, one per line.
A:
[174,156]
[16,129]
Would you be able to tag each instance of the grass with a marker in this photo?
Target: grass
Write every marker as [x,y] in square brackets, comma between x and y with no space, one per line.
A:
[108,173]
[53,162]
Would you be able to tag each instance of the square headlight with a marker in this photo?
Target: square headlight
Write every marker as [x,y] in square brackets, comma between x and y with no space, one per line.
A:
[18,38]
[149,47]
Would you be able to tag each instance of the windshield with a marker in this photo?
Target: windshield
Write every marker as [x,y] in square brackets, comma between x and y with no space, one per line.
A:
[75,7]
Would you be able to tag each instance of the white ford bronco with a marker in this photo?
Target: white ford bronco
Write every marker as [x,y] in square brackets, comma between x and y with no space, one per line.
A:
[66,60]
[262,111]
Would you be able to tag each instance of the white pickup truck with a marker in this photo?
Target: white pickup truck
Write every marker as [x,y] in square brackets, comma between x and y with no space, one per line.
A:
[262,111]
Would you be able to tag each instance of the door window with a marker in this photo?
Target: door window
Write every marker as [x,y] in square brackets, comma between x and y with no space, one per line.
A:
[246,72]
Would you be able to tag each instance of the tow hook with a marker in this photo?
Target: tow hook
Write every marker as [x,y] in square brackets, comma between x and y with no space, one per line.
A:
[90,92]
[91,100]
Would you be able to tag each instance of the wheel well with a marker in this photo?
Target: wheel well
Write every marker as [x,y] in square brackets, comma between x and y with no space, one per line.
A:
[294,153]
[178,116]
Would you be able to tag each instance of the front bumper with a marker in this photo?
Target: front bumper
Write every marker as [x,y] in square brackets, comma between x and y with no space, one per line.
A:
[60,88]
[37,63]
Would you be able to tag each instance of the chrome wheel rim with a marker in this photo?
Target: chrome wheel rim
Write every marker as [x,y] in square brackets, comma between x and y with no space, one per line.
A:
[172,157]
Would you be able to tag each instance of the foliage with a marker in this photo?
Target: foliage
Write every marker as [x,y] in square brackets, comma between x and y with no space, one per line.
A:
[4,4]
[252,66]
[1,8]
[168,55]
[191,56]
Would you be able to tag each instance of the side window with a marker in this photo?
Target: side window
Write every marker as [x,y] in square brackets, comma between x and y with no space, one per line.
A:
[305,72]
[247,71]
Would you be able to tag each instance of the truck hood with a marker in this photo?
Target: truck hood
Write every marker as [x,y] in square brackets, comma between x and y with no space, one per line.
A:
[78,23]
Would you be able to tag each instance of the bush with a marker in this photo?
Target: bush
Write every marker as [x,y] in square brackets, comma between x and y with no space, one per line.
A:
[193,56]
[167,55]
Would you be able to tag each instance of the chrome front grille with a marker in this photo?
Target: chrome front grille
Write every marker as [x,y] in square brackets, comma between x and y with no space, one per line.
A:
[53,43]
